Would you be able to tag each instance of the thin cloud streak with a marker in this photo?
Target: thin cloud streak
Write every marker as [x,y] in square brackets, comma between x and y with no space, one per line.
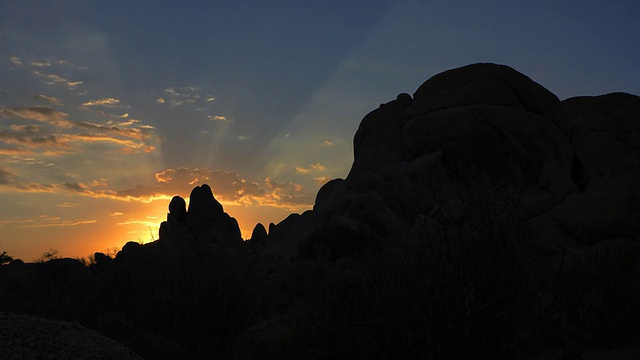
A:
[108,102]
[38,113]
[60,223]
[48,99]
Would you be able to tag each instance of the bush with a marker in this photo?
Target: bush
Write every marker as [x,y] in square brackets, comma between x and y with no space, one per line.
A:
[462,285]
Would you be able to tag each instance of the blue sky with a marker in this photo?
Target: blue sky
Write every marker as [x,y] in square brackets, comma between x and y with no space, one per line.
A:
[109,108]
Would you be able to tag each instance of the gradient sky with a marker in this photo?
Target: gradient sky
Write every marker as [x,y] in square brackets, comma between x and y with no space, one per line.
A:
[109,108]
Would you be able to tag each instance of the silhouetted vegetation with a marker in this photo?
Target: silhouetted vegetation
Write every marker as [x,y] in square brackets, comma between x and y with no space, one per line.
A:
[5,258]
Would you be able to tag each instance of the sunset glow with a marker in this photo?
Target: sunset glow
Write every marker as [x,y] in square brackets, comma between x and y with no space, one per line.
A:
[109,110]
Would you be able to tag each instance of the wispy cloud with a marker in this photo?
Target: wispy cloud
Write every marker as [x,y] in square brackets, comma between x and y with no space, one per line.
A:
[327,143]
[219,118]
[130,135]
[107,102]
[67,205]
[12,182]
[59,223]
[312,167]
[121,129]
[16,151]
[321,180]
[186,95]
[38,64]
[29,129]
[318,167]
[53,79]
[15,60]
[228,187]
[33,141]
[48,99]
[145,222]
[39,113]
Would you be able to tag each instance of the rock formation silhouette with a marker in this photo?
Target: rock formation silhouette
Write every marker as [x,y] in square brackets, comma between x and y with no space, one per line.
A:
[574,163]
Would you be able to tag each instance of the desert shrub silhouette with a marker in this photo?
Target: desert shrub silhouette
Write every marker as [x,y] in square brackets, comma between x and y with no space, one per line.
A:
[5,258]
[596,296]
[462,285]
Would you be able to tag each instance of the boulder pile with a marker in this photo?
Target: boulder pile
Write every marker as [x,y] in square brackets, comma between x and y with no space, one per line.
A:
[575,164]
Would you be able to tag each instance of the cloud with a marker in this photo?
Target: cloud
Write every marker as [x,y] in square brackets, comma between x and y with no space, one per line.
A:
[15,60]
[16,151]
[67,205]
[12,182]
[219,118]
[48,99]
[107,102]
[312,167]
[39,113]
[228,187]
[56,79]
[327,143]
[117,213]
[322,180]
[94,138]
[39,64]
[318,167]
[186,95]
[242,138]
[29,129]
[4,177]
[33,141]
[130,136]
[53,222]
[147,222]
[133,133]
[72,84]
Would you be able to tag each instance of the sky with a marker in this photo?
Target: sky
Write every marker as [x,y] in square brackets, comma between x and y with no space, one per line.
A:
[110,108]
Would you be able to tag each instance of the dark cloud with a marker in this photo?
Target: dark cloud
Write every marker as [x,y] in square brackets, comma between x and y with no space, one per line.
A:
[32,140]
[4,177]
[29,129]
[12,182]
[39,113]
[74,187]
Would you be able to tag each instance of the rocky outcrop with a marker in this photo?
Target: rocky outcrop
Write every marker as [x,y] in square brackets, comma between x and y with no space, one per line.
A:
[573,163]
[26,337]
[204,224]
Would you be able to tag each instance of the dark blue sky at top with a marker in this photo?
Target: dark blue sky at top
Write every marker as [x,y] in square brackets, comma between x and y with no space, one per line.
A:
[270,55]
[264,61]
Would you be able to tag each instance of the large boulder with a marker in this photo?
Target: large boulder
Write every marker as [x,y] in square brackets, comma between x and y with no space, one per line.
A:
[203,207]
[411,153]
